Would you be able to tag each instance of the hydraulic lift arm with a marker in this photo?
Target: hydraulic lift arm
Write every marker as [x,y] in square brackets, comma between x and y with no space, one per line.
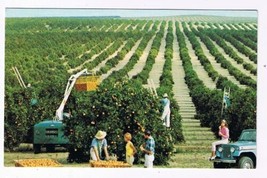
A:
[69,87]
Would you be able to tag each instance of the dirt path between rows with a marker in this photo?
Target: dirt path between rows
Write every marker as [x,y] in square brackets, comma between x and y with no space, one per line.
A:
[217,66]
[123,62]
[89,60]
[195,151]
[233,62]
[102,64]
[243,56]
[143,27]
[157,68]
[198,68]
[119,27]
[138,67]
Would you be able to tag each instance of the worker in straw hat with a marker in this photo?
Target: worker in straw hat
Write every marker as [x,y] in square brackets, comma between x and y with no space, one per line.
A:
[165,117]
[98,144]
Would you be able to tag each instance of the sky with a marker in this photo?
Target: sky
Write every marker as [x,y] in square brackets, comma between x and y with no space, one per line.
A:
[122,12]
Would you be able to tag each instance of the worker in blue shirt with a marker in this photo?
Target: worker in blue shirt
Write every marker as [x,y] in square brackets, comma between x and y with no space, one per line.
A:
[149,149]
[165,117]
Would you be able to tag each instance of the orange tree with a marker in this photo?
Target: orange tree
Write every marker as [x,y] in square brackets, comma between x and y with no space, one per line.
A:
[22,112]
[117,107]
[242,112]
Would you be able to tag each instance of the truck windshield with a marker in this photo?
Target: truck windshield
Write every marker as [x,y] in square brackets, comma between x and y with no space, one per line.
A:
[248,136]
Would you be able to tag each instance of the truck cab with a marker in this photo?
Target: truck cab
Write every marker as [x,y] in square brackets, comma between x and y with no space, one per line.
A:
[50,134]
[240,154]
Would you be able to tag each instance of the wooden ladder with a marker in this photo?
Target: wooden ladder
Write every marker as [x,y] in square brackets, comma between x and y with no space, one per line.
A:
[152,88]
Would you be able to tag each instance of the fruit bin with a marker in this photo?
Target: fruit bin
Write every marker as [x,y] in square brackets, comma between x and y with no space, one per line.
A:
[109,164]
[37,163]
[87,83]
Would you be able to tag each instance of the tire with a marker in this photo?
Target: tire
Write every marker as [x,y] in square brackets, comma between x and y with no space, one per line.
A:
[36,148]
[50,148]
[70,160]
[245,163]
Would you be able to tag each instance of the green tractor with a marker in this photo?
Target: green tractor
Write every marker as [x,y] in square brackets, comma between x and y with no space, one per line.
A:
[50,133]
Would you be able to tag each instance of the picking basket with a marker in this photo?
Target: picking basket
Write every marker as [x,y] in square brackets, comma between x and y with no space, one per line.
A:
[109,164]
[87,83]
[37,163]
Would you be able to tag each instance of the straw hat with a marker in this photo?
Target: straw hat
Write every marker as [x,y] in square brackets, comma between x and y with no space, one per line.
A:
[100,134]
[165,95]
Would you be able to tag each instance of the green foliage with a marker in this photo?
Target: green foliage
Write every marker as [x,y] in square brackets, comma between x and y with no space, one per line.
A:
[199,52]
[240,46]
[242,78]
[117,108]
[44,49]
[16,118]
[143,76]
[240,115]
[221,42]
[21,115]
[246,41]
[166,86]
[111,63]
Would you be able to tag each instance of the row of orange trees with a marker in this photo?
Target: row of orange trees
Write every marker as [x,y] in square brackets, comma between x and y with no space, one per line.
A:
[121,105]
[43,57]
[209,102]
[221,42]
[239,45]
[118,106]
[242,78]
[143,76]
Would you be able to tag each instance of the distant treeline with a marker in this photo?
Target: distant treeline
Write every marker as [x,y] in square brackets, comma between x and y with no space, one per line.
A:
[78,17]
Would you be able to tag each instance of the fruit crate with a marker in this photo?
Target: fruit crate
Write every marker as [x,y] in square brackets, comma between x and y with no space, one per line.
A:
[109,164]
[37,163]
[87,83]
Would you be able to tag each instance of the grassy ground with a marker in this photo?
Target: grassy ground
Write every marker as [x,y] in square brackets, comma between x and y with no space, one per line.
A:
[178,160]
[185,160]
[190,160]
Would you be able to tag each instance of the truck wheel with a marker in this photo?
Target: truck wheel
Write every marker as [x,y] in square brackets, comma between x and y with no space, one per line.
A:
[245,163]
[70,160]
[219,165]
[36,148]
[50,148]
